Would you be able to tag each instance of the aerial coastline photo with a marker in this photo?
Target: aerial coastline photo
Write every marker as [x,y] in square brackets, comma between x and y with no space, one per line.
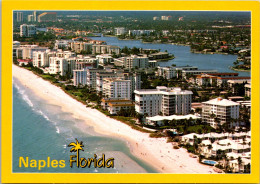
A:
[131,92]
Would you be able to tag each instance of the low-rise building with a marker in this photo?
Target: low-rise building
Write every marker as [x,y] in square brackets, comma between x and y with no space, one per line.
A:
[24,61]
[159,120]
[159,55]
[187,73]
[114,105]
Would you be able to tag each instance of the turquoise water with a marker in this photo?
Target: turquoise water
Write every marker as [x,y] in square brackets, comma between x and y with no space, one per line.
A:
[209,162]
[182,54]
[41,130]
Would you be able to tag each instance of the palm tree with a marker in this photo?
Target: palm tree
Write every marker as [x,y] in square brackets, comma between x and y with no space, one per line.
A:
[76,147]
[239,161]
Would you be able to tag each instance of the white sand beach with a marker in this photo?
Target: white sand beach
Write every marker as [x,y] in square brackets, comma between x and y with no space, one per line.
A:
[154,151]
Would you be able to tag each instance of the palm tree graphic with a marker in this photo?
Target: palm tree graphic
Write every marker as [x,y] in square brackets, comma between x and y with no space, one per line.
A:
[76,147]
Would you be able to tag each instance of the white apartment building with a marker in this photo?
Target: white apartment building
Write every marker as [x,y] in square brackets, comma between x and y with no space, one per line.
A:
[105,49]
[135,80]
[140,32]
[119,31]
[135,61]
[104,59]
[61,44]
[40,59]
[168,101]
[222,109]
[92,77]
[58,66]
[171,72]
[103,75]
[65,54]
[116,88]
[79,77]
[26,51]
[167,72]
[81,46]
[27,30]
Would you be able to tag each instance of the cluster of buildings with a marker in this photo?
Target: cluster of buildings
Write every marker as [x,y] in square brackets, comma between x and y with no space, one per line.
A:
[121,31]
[43,17]
[228,146]
[89,46]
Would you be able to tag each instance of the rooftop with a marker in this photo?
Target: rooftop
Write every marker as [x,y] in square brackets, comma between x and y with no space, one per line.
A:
[220,101]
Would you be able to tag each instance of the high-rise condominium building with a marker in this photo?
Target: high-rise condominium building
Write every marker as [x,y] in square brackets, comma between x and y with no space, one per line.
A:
[163,100]
[58,66]
[79,77]
[19,16]
[219,111]
[27,30]
[117,88]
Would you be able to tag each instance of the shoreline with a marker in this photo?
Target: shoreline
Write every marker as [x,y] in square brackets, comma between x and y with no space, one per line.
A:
[239,70]
[153,151]
[170,43]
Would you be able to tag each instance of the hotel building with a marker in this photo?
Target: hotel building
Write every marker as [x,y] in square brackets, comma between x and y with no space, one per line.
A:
[223,109]
[168,101]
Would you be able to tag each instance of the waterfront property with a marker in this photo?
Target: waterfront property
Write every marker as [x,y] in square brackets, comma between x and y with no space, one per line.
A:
[168,101]
[231,151]
[160,120]
[114,105]
[117,88]
[133,61]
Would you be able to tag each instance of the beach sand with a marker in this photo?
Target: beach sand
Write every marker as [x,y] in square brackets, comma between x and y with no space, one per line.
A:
[154,151]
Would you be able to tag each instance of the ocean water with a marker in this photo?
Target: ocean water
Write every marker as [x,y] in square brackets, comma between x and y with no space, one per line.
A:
[42,130]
